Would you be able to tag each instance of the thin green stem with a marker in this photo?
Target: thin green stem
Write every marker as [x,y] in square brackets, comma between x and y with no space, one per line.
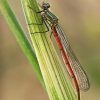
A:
[20,37]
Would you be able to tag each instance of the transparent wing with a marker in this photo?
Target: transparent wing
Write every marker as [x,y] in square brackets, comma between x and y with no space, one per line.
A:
[80,74]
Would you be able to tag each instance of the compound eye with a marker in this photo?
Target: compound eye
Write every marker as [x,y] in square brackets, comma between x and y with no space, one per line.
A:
[48,5]
[44,5]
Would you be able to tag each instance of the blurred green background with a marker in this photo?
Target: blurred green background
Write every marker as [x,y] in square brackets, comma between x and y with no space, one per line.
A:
[80,20]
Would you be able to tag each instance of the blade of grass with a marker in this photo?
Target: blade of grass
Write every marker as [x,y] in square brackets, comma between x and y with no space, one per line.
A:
[55,77]
[20,37]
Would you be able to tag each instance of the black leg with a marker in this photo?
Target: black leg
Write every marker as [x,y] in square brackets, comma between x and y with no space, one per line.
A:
[34,10]
[47,27]
[42,24]
[37,23]
[43,21]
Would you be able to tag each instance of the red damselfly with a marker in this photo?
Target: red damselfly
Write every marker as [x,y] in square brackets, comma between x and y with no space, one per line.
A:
[73,66]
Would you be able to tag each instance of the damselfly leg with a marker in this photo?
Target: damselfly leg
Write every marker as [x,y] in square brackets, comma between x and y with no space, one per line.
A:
[43,22]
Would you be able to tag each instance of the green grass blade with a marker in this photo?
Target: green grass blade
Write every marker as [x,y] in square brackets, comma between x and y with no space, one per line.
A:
[20,37]
[54,74]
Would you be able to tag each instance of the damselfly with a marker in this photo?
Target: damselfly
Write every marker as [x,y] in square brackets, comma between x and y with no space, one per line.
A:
[73,66]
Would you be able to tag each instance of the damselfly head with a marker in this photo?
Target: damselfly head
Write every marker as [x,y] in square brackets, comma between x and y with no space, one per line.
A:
[44,5]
